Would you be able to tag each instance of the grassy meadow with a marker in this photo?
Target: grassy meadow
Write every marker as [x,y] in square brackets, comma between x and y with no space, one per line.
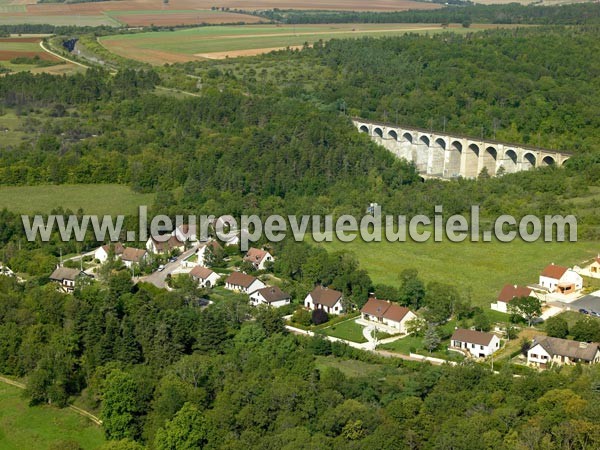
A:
[222,41]
[477,269]
[42,427]
[92,198]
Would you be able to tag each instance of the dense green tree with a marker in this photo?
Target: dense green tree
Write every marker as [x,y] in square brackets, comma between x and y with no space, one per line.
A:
[557,327]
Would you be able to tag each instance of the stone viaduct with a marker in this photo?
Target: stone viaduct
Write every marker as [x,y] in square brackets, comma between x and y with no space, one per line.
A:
[449,155]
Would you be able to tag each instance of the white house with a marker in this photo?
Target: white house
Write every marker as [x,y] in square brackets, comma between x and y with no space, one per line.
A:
[326,299]
[477,343]
[204,277]
[101,253]
[546,351]
[186,233]
[258,258]
[133,256]
[202,252]
[560,279]
[164,245]
[593,270]
[509,292]
[271,296]
[241,282]
[387,313]
[66,277]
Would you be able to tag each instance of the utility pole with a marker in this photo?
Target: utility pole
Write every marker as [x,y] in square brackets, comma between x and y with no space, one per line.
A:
[444,124]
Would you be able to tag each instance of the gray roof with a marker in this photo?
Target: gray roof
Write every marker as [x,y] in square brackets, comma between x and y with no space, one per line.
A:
[566,347]
[472,336]
[273,294]
[65,273]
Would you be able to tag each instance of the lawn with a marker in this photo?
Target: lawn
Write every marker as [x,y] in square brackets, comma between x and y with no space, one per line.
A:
[477,269]
[92,198]
[348,330]
[221,41]
[40,427]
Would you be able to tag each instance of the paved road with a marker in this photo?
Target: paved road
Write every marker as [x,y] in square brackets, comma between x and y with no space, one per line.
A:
[158,278]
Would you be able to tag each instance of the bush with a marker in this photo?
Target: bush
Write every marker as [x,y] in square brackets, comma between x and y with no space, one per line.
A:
[302,317]
[319,316]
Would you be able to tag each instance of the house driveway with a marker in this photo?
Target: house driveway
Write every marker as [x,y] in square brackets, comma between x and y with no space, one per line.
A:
[158,279]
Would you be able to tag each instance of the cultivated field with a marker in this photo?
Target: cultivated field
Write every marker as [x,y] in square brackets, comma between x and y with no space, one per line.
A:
[92,198]
[176,12]
[29,47]
[478,270]
[230,41]
[42,427]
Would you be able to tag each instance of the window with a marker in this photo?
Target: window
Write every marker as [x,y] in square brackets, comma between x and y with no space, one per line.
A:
[481,347]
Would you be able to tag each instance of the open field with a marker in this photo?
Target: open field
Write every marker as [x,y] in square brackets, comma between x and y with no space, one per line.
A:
[41,427]
[477,269]
[93,198]
[176,12]
[29,47]
[222,41]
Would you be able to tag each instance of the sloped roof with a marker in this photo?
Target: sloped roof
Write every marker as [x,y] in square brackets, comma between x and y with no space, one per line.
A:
[201,272]
[553,271]
[472,336]
[171,243]
[511,291]
[325,296]
[375,307]
[396,312]
[273,294]
[240,279]
[65,273]
[117,246]
[255,255]
[133,254]
[384,309]
[566,347]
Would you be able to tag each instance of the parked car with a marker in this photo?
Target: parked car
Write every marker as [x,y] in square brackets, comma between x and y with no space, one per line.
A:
[583,311]
[161,268]
[595,314]
[173,259]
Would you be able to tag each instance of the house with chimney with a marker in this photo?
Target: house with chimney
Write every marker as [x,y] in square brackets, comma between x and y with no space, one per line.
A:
[329,300]
[202,254]
[508,293]
[560,279]
[546,351]
[384,312]
[477,343]
[258,258]
[270,296]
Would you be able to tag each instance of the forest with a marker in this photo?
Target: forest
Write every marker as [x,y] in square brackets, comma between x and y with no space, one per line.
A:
[168,375]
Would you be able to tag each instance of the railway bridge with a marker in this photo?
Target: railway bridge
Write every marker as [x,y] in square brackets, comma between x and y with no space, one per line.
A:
[449,155]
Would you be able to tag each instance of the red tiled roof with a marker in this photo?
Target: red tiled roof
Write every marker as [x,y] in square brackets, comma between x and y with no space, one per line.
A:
[240,279]
[554,272]
[255,255]
[133,254]
[472,336]
[117,246]
[324,296]
[201,272]
[384,309]
[511,291]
